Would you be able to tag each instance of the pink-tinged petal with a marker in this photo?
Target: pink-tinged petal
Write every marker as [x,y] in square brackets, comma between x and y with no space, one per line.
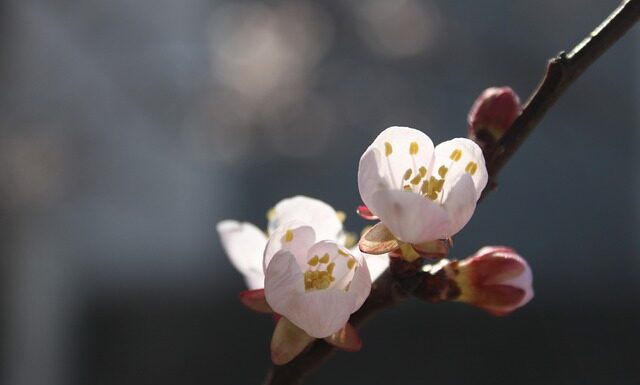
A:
[470,161]
[460,203]
[498,299]
[321,216]
[346,339]
[495,279]
[378,240]
[360,286]
[321,313]
[283,281]
[295,237]
[384,164]
[371,177]
[287,342]
[255,300]
[244,243]
[402,148]
[411,218]
[364,212]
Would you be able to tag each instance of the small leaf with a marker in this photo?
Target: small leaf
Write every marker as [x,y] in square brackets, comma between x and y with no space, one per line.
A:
[346,339]
[378,240]
[433,249]
[255,300]
[365,213]
[287,342]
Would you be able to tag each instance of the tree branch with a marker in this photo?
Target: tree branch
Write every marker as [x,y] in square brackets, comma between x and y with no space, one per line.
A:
[562,71]
[391,288]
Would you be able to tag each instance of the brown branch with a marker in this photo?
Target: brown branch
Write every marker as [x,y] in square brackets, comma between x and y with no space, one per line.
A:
[393,288]
[562,71]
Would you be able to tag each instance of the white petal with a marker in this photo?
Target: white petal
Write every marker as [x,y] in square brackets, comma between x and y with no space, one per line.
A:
[322,217]
[319,313]
[385,162]
[470,152]
[244,243]
[371,177]
[283,282]
[295,237]
[411,217]
[377,264]
[361,283]
[459,202]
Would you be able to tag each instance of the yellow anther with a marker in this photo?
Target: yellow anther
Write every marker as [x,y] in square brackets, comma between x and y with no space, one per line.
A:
[416,179]
[271,213]
[341,216]
[442,171]
[439,185]
[407,187]
[423,171]
[407,174]
[471,168]
[330,267]
[413,148]
[317,280]
[288,236]
[325,258]
[342,252]
[313,261]
[432,195]
[388,149]
[425,187]
[456,155]
[351,263]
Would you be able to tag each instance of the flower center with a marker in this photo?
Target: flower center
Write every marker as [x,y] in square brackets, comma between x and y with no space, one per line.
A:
[319,275]
[417,181]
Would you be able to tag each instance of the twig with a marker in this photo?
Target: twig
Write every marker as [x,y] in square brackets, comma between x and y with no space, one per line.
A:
[562,71]
[389,289]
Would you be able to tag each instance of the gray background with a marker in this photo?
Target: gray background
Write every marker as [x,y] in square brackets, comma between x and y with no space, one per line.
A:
[129,128]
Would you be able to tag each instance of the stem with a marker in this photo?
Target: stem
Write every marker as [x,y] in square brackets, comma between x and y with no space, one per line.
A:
[562,71]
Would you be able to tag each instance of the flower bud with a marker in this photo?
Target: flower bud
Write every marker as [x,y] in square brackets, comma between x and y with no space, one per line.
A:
[495,279]
[493,113]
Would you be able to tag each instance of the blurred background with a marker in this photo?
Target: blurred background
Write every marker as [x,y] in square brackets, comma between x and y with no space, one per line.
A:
[128,129]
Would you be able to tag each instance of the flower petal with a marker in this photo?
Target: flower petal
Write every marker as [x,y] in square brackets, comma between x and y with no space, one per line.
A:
[255,300]
[244,243]
[346,339]
[287,342]
[283,281]
[360,286]
[319,313]
[320,215]
[411,217]
[385,162]
[295,236]
[470,154]
[459,202]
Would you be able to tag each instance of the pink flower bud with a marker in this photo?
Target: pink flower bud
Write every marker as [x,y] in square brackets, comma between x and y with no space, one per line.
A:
[493,113]
[495,279]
